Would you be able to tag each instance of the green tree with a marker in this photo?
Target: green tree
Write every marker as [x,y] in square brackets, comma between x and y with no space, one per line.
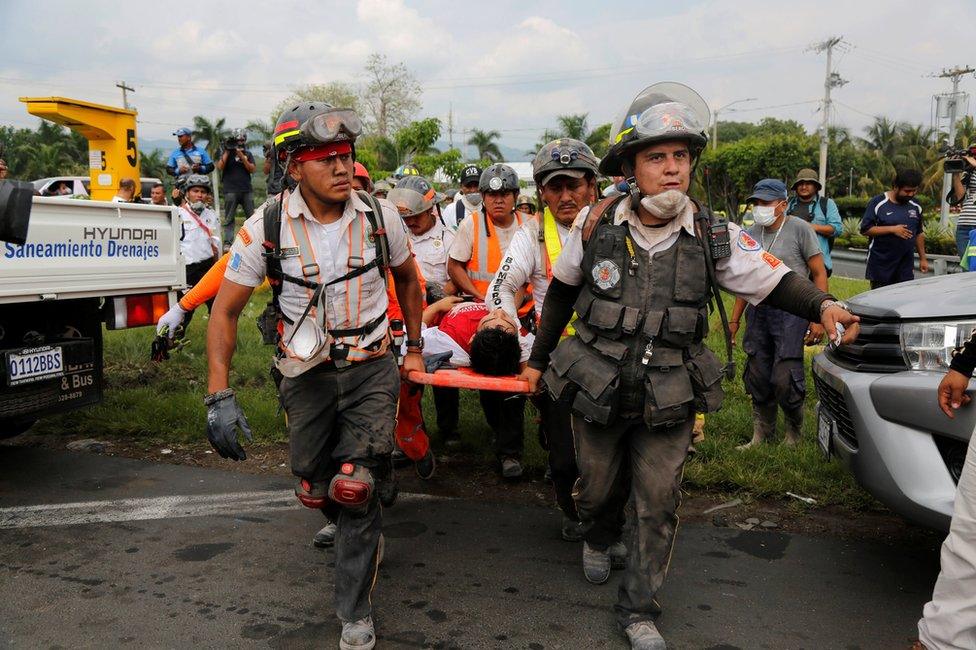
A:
[450,162]
[259,132]
[334,93]
[390,96]
[213,133]
[152,163]
[418,138]
[484,142]
[575,126]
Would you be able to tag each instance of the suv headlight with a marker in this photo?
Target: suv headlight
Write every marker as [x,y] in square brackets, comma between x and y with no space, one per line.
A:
[929,346]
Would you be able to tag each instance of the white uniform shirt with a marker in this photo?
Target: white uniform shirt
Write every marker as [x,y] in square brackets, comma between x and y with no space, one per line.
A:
[196,241]
[463,246]
[247,267]
[431,249]
[523,264]
[750,272]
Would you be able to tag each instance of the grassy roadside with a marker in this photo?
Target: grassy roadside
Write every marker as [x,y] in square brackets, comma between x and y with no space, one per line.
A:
[160,404]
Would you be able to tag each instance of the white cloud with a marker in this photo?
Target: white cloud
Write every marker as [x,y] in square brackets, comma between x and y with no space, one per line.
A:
[192,43]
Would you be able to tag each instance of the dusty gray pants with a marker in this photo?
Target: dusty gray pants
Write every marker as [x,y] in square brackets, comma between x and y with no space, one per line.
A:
[656,458]
[337,416]
[949,619]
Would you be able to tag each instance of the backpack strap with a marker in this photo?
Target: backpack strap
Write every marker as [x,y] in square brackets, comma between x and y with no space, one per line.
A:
[272,245]
[375,217]
[823,206]
[602,210]
[458,213]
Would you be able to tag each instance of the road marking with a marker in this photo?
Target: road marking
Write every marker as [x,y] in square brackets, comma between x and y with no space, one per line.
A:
[168,507]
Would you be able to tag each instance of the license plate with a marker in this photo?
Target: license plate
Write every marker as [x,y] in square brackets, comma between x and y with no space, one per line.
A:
[825,431]
[34,364]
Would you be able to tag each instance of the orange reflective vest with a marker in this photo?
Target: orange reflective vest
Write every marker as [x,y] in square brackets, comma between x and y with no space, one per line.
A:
[486,256]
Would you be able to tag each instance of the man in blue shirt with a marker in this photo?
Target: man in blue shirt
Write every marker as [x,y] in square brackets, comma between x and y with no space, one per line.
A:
[819,211]
[188,158]
[893,221]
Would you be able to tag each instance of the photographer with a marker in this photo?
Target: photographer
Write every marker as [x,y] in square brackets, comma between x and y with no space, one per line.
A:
[964,191]
[236,164]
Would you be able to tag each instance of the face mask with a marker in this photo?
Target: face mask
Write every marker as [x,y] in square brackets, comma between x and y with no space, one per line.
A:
[472,200]
[198,206]
[666,205]
[764,215]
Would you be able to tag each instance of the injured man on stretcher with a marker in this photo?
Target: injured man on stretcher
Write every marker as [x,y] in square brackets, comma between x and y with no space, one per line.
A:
[489,341]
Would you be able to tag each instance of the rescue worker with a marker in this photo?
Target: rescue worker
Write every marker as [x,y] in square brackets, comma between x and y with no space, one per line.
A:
[773,342]
[430,239]
[469,199]
[525,204]
[636,270]
[475,256]
[565,170]
[200,232]
[381,189]
[361,179]
[325,250]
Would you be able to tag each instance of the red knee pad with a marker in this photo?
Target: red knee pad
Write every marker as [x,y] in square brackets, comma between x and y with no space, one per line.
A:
[312,495]
[352,487]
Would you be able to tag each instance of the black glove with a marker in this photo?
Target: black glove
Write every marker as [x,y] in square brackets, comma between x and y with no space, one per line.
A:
[159,350]
[224,416]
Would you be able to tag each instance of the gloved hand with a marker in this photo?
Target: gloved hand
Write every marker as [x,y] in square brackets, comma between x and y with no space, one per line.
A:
[224,416]
[169,321]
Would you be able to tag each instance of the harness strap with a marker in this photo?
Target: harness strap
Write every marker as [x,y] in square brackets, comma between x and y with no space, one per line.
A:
[597,212]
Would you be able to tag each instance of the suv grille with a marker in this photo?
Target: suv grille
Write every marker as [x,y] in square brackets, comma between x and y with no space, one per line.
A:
[832,400]
[877,348]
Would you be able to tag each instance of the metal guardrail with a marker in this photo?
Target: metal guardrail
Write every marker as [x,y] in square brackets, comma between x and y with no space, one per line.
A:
[938,264]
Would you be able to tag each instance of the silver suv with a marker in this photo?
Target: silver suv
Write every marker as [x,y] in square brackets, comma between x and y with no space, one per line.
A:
[878,409]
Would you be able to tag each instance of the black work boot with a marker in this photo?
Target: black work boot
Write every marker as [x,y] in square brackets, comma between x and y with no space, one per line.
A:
[794,425]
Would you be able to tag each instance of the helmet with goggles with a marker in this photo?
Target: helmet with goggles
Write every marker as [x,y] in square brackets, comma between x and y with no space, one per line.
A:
[412,195]
[564,157]
[498,178]
[314,125]
[662,112]
[197,180]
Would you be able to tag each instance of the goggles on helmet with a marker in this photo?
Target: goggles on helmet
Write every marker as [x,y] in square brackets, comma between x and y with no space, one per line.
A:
[662,120]
[324,128]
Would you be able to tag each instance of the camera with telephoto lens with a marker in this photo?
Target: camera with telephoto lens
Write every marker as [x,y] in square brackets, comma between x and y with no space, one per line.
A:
[236,139]
[955,161]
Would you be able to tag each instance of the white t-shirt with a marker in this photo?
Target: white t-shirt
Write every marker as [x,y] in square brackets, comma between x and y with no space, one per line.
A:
[750,272]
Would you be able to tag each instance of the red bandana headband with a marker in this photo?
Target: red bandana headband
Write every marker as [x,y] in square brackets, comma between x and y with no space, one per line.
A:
[323,151]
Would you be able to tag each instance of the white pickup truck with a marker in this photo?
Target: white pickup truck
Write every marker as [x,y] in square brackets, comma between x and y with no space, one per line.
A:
[83,263]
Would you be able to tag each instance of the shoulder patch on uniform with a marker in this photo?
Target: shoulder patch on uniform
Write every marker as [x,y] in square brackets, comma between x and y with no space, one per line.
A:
[606,274]
[235,262]
[747,243]
[771,260]
[245,236]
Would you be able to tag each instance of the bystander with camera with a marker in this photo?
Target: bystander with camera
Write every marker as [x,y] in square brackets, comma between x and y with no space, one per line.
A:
[236,165]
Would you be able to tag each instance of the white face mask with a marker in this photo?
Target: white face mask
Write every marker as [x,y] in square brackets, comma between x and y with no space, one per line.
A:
[198,206]
[472,200]
[666,205]
[764,215]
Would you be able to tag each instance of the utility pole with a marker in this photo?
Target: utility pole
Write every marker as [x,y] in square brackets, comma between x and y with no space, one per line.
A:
[450,125]
[831,80]
[953,100]
[125,98]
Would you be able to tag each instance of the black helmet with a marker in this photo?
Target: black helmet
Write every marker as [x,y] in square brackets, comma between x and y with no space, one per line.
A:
[498,178]
[561,156]
[661,112]
[412,195]
[470,174]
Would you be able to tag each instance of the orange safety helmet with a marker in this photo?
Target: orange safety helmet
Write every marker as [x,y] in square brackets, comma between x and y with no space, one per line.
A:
[359,171]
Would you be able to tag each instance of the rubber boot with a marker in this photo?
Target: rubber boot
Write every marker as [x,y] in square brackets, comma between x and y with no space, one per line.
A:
[794,425]
[763,424]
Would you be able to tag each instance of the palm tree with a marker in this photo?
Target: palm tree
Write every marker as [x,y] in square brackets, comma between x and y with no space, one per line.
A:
[259,132]
[966,132]
[882,136]
[577,128]
[214,133]
[483,141]
[152,163]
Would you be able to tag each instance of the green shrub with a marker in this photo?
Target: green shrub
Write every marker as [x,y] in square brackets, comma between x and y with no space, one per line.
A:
[859,241]
[841,242]
[850,227]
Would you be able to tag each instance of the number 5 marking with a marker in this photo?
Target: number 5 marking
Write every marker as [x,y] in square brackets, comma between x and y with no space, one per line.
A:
[130,145]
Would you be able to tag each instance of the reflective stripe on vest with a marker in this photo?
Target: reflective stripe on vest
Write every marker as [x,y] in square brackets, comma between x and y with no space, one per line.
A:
[486,255]
[552,250]
[354,286]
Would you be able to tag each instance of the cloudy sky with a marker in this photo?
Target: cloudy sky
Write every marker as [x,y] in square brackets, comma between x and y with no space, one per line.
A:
[505,65]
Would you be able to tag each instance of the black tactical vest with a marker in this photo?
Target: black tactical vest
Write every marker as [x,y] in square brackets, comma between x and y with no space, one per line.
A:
[637,350]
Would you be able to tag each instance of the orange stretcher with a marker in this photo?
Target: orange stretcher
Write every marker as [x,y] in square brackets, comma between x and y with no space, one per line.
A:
[466,378]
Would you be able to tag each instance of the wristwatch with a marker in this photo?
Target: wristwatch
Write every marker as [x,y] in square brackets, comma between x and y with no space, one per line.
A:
[833,303]
[416,344]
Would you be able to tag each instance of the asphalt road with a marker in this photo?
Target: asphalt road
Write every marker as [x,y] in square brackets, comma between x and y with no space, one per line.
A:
[103,552]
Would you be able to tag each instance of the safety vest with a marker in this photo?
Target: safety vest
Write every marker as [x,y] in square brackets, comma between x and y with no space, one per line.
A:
[342,344]
[486,256]
[968,261]
[550,252]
